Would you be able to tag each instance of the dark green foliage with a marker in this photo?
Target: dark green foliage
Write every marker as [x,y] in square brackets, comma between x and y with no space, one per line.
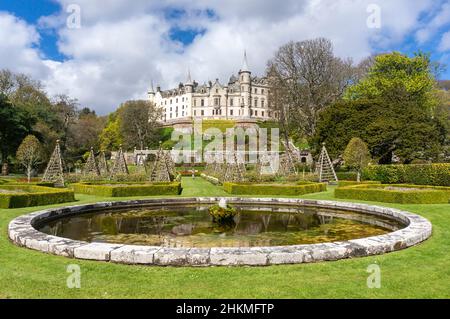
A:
[392,110]
[432,195]
[15,124]
[274,189]
[420,174]
[127,189]
[33,196]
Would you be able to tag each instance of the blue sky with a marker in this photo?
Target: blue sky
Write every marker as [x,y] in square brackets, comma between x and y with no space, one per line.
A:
[123,46]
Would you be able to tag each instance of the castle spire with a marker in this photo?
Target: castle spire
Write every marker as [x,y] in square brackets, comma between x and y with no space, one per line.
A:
[189,79]
[151,91]
[245,67]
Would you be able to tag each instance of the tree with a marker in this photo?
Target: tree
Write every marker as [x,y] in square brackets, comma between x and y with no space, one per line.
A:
[15,124]
[356,155]
[395,75]
[305,77]
[111,137]
[29,154]
[138,123]
[387,126]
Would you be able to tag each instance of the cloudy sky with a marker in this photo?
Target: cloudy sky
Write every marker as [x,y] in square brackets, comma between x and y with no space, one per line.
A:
[120,46]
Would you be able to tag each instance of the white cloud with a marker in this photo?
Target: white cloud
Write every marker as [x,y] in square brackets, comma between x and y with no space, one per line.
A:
[444,45]
[124,45]
[17,47]
[440,19]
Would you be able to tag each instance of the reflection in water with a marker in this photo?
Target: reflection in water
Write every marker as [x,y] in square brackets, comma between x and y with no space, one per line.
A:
[193,227]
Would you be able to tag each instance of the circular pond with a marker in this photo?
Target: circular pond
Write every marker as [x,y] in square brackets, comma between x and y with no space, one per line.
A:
[265,231]
[192,226]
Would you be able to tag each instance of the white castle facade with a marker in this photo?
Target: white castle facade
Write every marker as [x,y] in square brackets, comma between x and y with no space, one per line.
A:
[244,98]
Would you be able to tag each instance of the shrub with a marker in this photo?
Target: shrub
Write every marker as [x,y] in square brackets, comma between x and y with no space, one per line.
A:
[274,189]
[348,176]
[423,195]
[30,195]
[211,179]
[127,189]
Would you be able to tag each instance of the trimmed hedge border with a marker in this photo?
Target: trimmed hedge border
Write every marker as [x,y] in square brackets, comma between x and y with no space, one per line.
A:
[342,183]
[419,174]
[213,180]
[127,189]
[22,232]
[274,189]
[34,196]
[373,192]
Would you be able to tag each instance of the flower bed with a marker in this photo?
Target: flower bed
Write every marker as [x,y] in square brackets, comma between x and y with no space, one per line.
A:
[395,193]
[16,196]
[121,189]
[274,189]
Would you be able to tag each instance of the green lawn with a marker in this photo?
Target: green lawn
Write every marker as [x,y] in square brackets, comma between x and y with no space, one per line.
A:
[417,272]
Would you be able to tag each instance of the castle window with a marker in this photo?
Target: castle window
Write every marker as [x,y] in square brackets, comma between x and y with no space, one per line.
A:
[256,102]
[262,103]
[231,101]
[203,112]
[217,90]
[202,103]
[262,91]
[256,113]
[195,102]
[256,91]
[231,112]
[262,113]
[216,101]
[195,113]
[170,101]
[176,101]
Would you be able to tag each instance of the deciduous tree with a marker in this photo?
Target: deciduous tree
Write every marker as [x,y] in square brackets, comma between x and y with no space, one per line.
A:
[356,155]
[29,154]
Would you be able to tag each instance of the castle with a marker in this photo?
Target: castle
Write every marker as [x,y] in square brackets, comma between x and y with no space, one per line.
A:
[244,98]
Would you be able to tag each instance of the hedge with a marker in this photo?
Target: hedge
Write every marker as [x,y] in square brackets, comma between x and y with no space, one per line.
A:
[128,189]
[350,176]
[433,194]
[351,183]
[211,179]
[420,174]
[274,189]
[33,196]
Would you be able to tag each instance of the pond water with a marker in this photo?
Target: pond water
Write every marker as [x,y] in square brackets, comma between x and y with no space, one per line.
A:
[192,226]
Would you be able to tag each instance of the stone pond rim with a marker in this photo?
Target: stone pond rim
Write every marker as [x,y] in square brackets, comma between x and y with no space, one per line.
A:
[22,232]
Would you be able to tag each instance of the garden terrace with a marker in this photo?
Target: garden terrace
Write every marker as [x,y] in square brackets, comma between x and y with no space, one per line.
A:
[395,193]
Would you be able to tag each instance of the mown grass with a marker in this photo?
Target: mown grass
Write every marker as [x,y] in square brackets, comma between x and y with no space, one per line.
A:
[418,272]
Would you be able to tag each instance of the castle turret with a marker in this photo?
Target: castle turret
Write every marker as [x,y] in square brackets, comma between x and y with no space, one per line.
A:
[245,81]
